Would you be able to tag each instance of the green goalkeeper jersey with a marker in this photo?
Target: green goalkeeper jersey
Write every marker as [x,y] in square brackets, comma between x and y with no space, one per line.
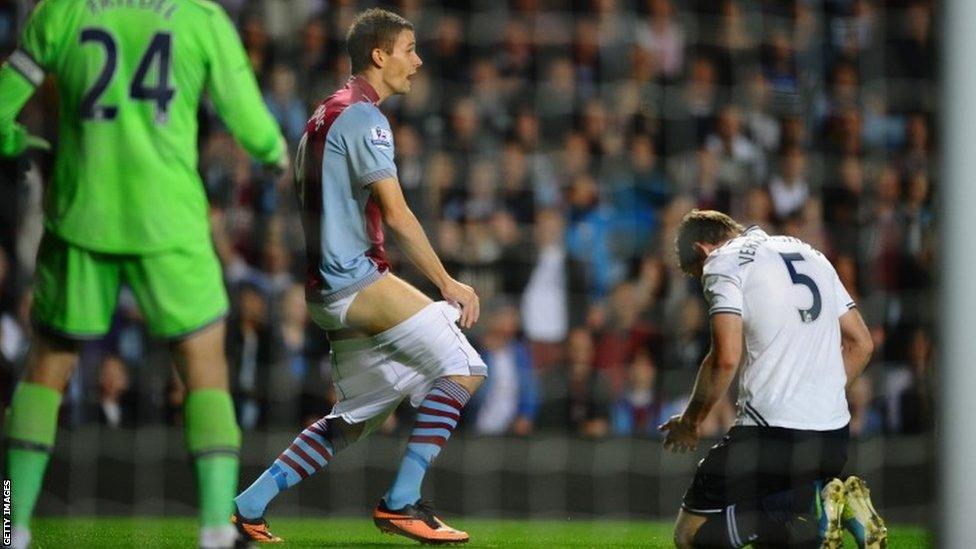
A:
[130,74]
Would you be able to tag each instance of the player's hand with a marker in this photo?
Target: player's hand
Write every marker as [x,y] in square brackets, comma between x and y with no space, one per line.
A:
[14,158]
[279,168]
[463,295]
[682,434]
[18,141]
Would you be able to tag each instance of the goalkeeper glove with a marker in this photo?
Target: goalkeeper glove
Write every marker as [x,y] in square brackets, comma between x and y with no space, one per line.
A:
[19,140]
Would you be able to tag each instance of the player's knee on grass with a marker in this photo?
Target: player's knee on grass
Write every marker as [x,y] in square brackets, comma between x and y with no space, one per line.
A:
[686,528]
[211,427]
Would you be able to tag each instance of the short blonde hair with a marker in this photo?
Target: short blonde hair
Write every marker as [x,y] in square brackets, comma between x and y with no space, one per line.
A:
[702,226]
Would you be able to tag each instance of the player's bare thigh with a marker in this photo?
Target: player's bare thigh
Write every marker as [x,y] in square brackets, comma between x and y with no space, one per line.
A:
[685,528]
[381,306]
[199,358]
[51,361]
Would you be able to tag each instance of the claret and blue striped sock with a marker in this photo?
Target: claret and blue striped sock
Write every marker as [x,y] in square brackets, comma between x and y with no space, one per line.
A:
[311,450]
[437,418]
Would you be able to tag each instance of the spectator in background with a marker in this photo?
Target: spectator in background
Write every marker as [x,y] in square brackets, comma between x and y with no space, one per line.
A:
[587,395]
[916,156]
[312,58]
[686,340]
[638,196]
[788,187]
[741,162]
[758,117]
[586,59]
[735,37]
[866,420]
[575,397]
[514,263]
[779,64]
[912,54]
[517,189]
[302,392]
[663,37]
[449,53]
[540,165]
[467,137]
[285,105]
[516,59]
[276,267]
[257,44]
[622,336]
[638,410]
[509,399]
[490,98]
[690,114]
[910,386]
[250,354]
[556,98]
[882,235]
[845,204]
[116,408]
[555,296]
[701,182]
[589,237]
[758,208]
[293,365]
[916,221]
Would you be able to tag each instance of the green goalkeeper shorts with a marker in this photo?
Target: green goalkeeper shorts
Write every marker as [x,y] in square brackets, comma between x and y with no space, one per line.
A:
[179,291]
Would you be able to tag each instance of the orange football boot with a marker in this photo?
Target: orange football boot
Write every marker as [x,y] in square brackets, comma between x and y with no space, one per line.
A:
[416,522]
[255,530]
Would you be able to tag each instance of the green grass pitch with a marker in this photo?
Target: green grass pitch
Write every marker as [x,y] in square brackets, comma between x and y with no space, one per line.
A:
[146,533]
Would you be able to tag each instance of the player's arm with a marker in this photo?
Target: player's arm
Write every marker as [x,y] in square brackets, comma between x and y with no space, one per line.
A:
[236,96]
[20,75]
[855,338]
[718,368]
[715,375]
[723,292]
[413,241]
[856,344]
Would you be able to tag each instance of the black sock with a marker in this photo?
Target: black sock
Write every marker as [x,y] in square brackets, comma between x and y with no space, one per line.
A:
[736,526]
[780,519]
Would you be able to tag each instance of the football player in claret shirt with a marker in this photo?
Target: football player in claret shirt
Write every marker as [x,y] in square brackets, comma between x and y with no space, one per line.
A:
[389,341]
[781,317]
[125,204]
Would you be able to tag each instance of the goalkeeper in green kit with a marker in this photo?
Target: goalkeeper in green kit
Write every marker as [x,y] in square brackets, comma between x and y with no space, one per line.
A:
[125,204]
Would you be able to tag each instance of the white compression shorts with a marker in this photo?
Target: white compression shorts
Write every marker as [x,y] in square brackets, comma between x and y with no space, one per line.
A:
[372,375]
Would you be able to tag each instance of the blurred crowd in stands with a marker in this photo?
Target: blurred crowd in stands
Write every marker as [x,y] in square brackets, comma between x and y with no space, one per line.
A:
[550,149]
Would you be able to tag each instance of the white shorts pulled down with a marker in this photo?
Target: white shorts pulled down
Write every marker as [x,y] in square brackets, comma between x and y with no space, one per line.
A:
[372,375]
[331,316]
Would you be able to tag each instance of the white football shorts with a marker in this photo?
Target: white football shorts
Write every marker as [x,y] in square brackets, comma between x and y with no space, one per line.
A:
[372,375]
[331,316]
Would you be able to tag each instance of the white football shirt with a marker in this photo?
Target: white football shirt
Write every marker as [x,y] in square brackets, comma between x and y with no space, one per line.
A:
[790,298]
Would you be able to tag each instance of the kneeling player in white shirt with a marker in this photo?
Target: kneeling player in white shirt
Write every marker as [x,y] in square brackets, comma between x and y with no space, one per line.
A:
[778,313]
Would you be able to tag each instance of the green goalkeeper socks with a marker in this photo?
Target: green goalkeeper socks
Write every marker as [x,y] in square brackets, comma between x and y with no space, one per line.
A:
[217,483]
[213,439]
[30,428]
